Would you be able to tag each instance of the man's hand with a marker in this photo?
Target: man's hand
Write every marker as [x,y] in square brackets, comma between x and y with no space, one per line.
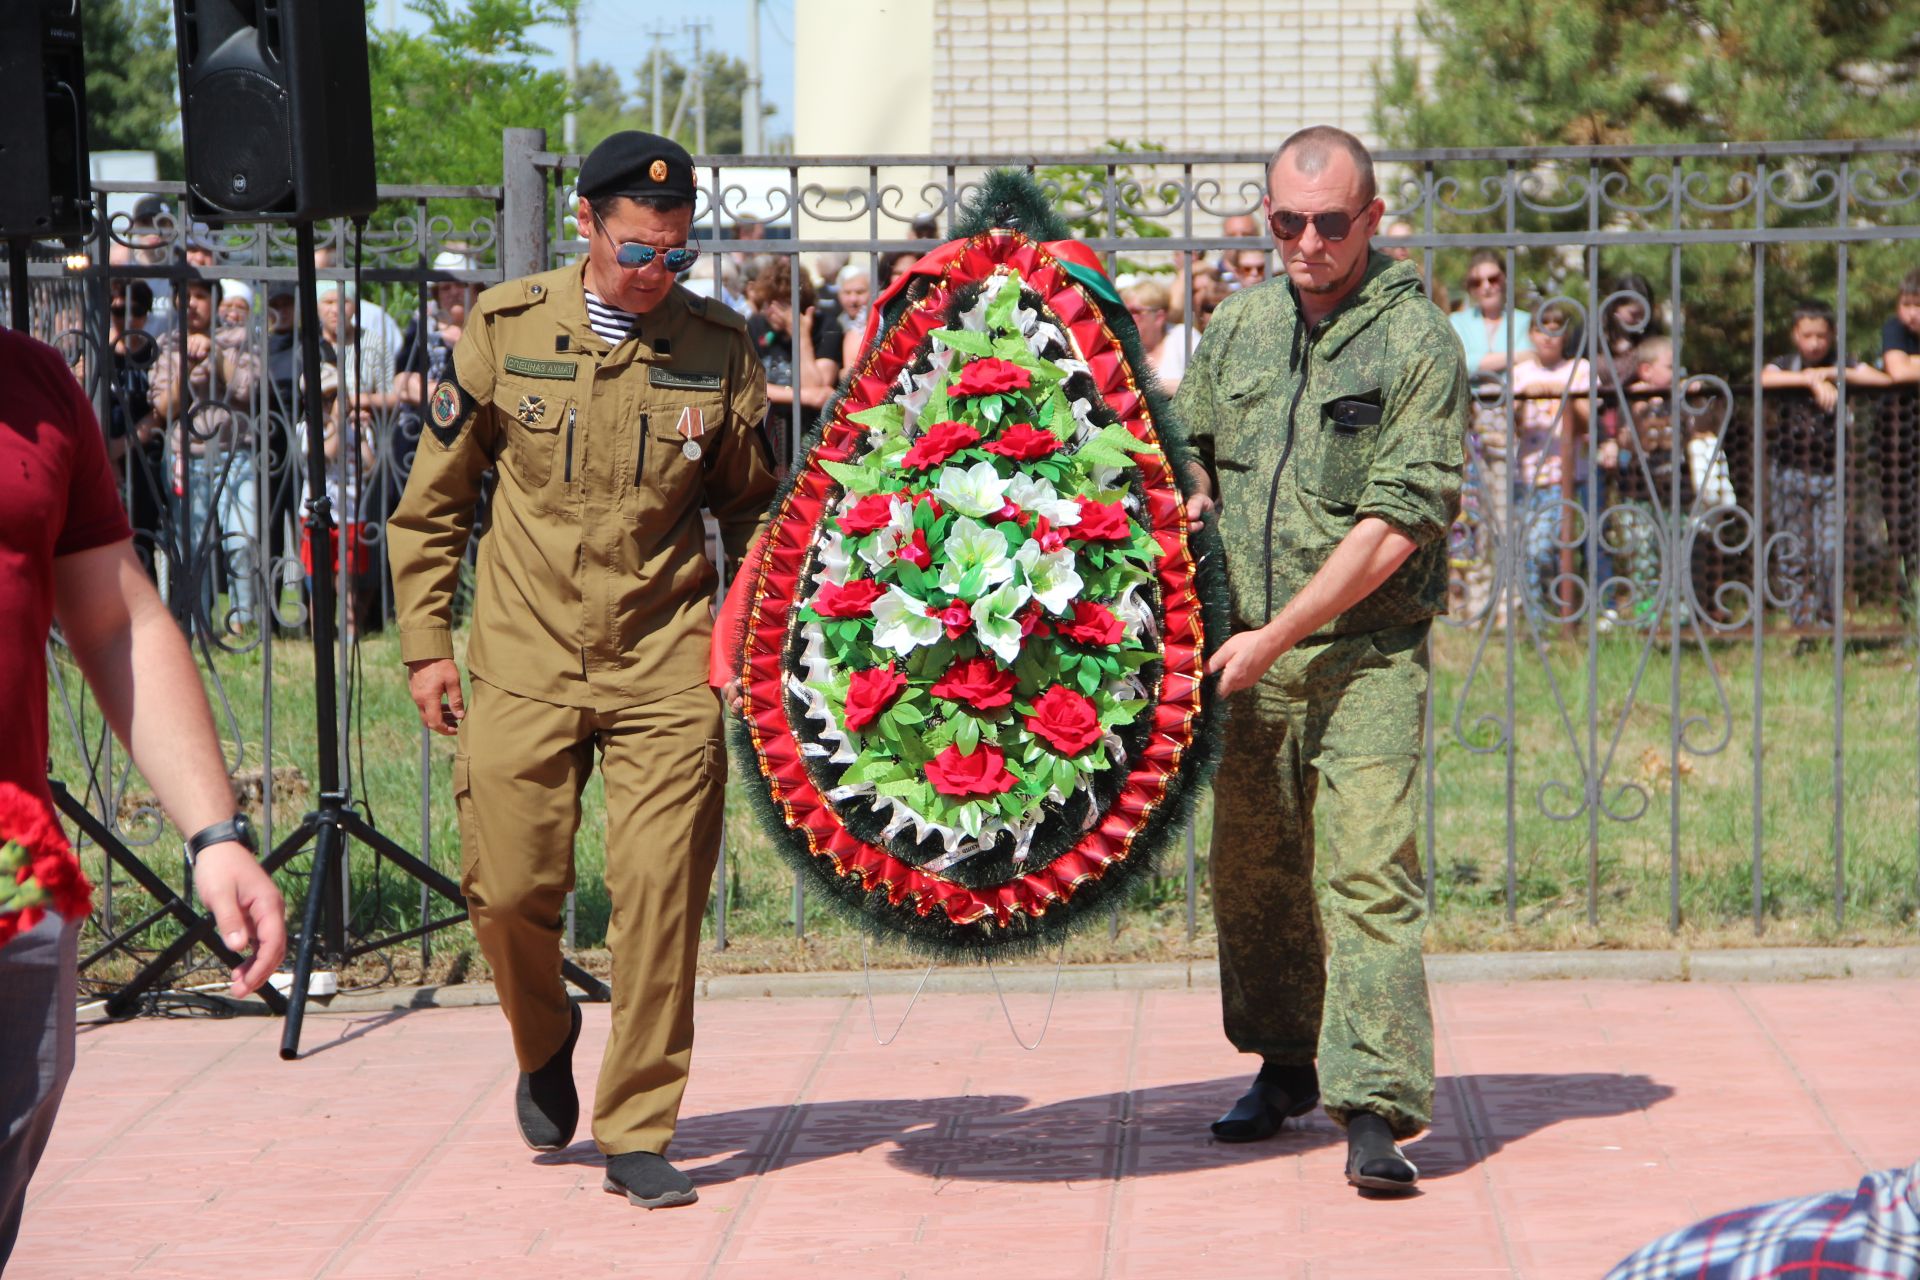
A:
[1197,508]
[246,909]
[1244,658]
[199,345]
[1825,394]
[734,695]
[435,686]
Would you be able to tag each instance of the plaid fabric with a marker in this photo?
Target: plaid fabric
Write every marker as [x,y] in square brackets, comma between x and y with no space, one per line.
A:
[1872,1233]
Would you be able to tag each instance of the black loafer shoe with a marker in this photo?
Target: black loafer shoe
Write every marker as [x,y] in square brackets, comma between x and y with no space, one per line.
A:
[1374,1162]
[1277,1093]
[648,1181]
[545,1103]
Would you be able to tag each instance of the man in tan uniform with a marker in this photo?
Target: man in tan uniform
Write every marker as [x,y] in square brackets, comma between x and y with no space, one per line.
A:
[613,406]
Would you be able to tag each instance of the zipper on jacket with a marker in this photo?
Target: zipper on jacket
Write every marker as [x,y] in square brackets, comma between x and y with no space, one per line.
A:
[572,412]
[640,454]
[1286,452]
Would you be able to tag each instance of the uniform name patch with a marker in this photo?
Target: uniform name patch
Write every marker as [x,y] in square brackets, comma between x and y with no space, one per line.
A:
[448,411]
[683,380]
[540,368]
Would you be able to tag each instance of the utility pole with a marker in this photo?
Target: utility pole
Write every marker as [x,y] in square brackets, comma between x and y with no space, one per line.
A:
[697,86]
[658,33]
[750,101]
[569,126]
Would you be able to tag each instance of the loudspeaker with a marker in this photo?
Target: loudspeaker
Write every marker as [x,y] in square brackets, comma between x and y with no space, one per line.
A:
[43,121]
[276,119]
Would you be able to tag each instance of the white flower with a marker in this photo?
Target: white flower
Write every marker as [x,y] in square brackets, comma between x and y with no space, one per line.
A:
[1050,576]
[994,621]
[973,551]
[887,540]
[1035,494]
[833,560]
[900,623]
[978,491]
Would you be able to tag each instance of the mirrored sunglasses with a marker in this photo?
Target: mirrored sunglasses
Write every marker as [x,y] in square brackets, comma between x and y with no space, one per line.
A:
[1288,225]
[634,255]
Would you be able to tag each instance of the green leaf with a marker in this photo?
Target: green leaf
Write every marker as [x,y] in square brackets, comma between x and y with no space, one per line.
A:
[992,408]
[966,340]
[905,712]
[887,416]
[1087,678]
[966,734]
[858,479]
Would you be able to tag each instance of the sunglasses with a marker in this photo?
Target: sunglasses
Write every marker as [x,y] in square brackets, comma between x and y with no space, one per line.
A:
[1476,282]
[634,255]
[1333,227]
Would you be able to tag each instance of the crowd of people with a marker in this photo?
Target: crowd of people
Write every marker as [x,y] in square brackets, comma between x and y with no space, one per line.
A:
[210,429]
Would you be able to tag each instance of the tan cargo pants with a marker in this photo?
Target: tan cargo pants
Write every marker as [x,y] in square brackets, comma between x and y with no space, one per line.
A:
[517,781]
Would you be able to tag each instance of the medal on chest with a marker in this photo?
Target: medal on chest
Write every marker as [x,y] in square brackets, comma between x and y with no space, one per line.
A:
[692,425]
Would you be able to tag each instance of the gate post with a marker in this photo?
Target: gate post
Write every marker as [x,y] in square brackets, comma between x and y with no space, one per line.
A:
[524,238]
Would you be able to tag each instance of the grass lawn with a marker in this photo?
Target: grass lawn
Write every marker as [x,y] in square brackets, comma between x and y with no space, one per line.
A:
[1709,796]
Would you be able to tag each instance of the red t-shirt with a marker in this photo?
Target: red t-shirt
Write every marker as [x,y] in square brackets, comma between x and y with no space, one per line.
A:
[56,497]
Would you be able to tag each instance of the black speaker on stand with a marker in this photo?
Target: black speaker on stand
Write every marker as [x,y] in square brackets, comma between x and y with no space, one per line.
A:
[277,125]
[46,192]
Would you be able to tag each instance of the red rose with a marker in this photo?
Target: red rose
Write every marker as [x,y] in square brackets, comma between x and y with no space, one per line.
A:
[989,376]
[870,692]
[851,600]
[957,617]
[1092,624]
[1102,522]
[938,443]
[978,682]
[984,773]
[917,553]
[1066,720]
[1023,442]
[870,513]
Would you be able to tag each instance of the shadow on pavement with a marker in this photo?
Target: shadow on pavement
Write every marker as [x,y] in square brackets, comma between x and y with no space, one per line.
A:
[1142,1133]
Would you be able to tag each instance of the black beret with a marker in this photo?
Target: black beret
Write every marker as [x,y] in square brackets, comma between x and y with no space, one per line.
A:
[636,164]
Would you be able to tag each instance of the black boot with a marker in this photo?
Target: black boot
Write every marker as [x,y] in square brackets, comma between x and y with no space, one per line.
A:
[1374,1162]
[647,1180]
[546,1103]
[1279,1091]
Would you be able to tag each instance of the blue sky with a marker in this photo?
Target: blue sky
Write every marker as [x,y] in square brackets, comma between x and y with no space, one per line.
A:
[616,32]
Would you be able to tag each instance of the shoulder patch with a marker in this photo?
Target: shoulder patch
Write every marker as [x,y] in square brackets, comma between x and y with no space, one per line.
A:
[449,411]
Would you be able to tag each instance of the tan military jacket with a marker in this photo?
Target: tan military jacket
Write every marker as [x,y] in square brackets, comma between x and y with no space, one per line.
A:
[593,584]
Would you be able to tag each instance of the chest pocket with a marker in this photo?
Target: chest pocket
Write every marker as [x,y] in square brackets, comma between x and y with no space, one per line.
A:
[664,466]
[535,415]
[1348,436]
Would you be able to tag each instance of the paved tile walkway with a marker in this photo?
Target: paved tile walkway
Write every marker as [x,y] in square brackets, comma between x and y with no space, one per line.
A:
[1574,1121]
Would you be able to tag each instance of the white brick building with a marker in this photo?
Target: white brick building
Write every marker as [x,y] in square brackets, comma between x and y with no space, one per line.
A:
[973,77]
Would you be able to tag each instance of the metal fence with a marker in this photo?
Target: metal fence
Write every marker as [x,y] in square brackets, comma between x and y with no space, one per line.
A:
[1681,645]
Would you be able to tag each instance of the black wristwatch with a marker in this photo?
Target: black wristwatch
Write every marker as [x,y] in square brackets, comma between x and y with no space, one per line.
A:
[238,828]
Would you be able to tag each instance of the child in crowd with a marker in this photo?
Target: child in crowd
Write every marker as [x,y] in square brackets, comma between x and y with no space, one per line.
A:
[348,445]
[1550,415]
[1900,335]
[1803,462]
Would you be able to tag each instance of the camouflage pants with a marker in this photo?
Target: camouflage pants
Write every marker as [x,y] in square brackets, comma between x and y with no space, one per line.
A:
[1322,774]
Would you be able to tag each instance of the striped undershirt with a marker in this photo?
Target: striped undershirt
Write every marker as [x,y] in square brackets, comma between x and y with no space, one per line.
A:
[608,321]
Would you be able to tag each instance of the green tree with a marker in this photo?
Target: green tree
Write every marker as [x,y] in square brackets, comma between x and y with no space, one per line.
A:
[133,103]
[1618,72]
[441,99]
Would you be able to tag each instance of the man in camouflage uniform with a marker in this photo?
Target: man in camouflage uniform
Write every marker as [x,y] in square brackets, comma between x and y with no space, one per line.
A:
[613,405]
[1329,409]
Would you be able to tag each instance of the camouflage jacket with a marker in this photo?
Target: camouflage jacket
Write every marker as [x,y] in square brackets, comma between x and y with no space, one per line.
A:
[1305,432]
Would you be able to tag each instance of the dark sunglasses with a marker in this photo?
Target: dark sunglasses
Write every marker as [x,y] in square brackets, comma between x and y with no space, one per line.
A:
[1333,227]
[1474,282]
[634,255]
